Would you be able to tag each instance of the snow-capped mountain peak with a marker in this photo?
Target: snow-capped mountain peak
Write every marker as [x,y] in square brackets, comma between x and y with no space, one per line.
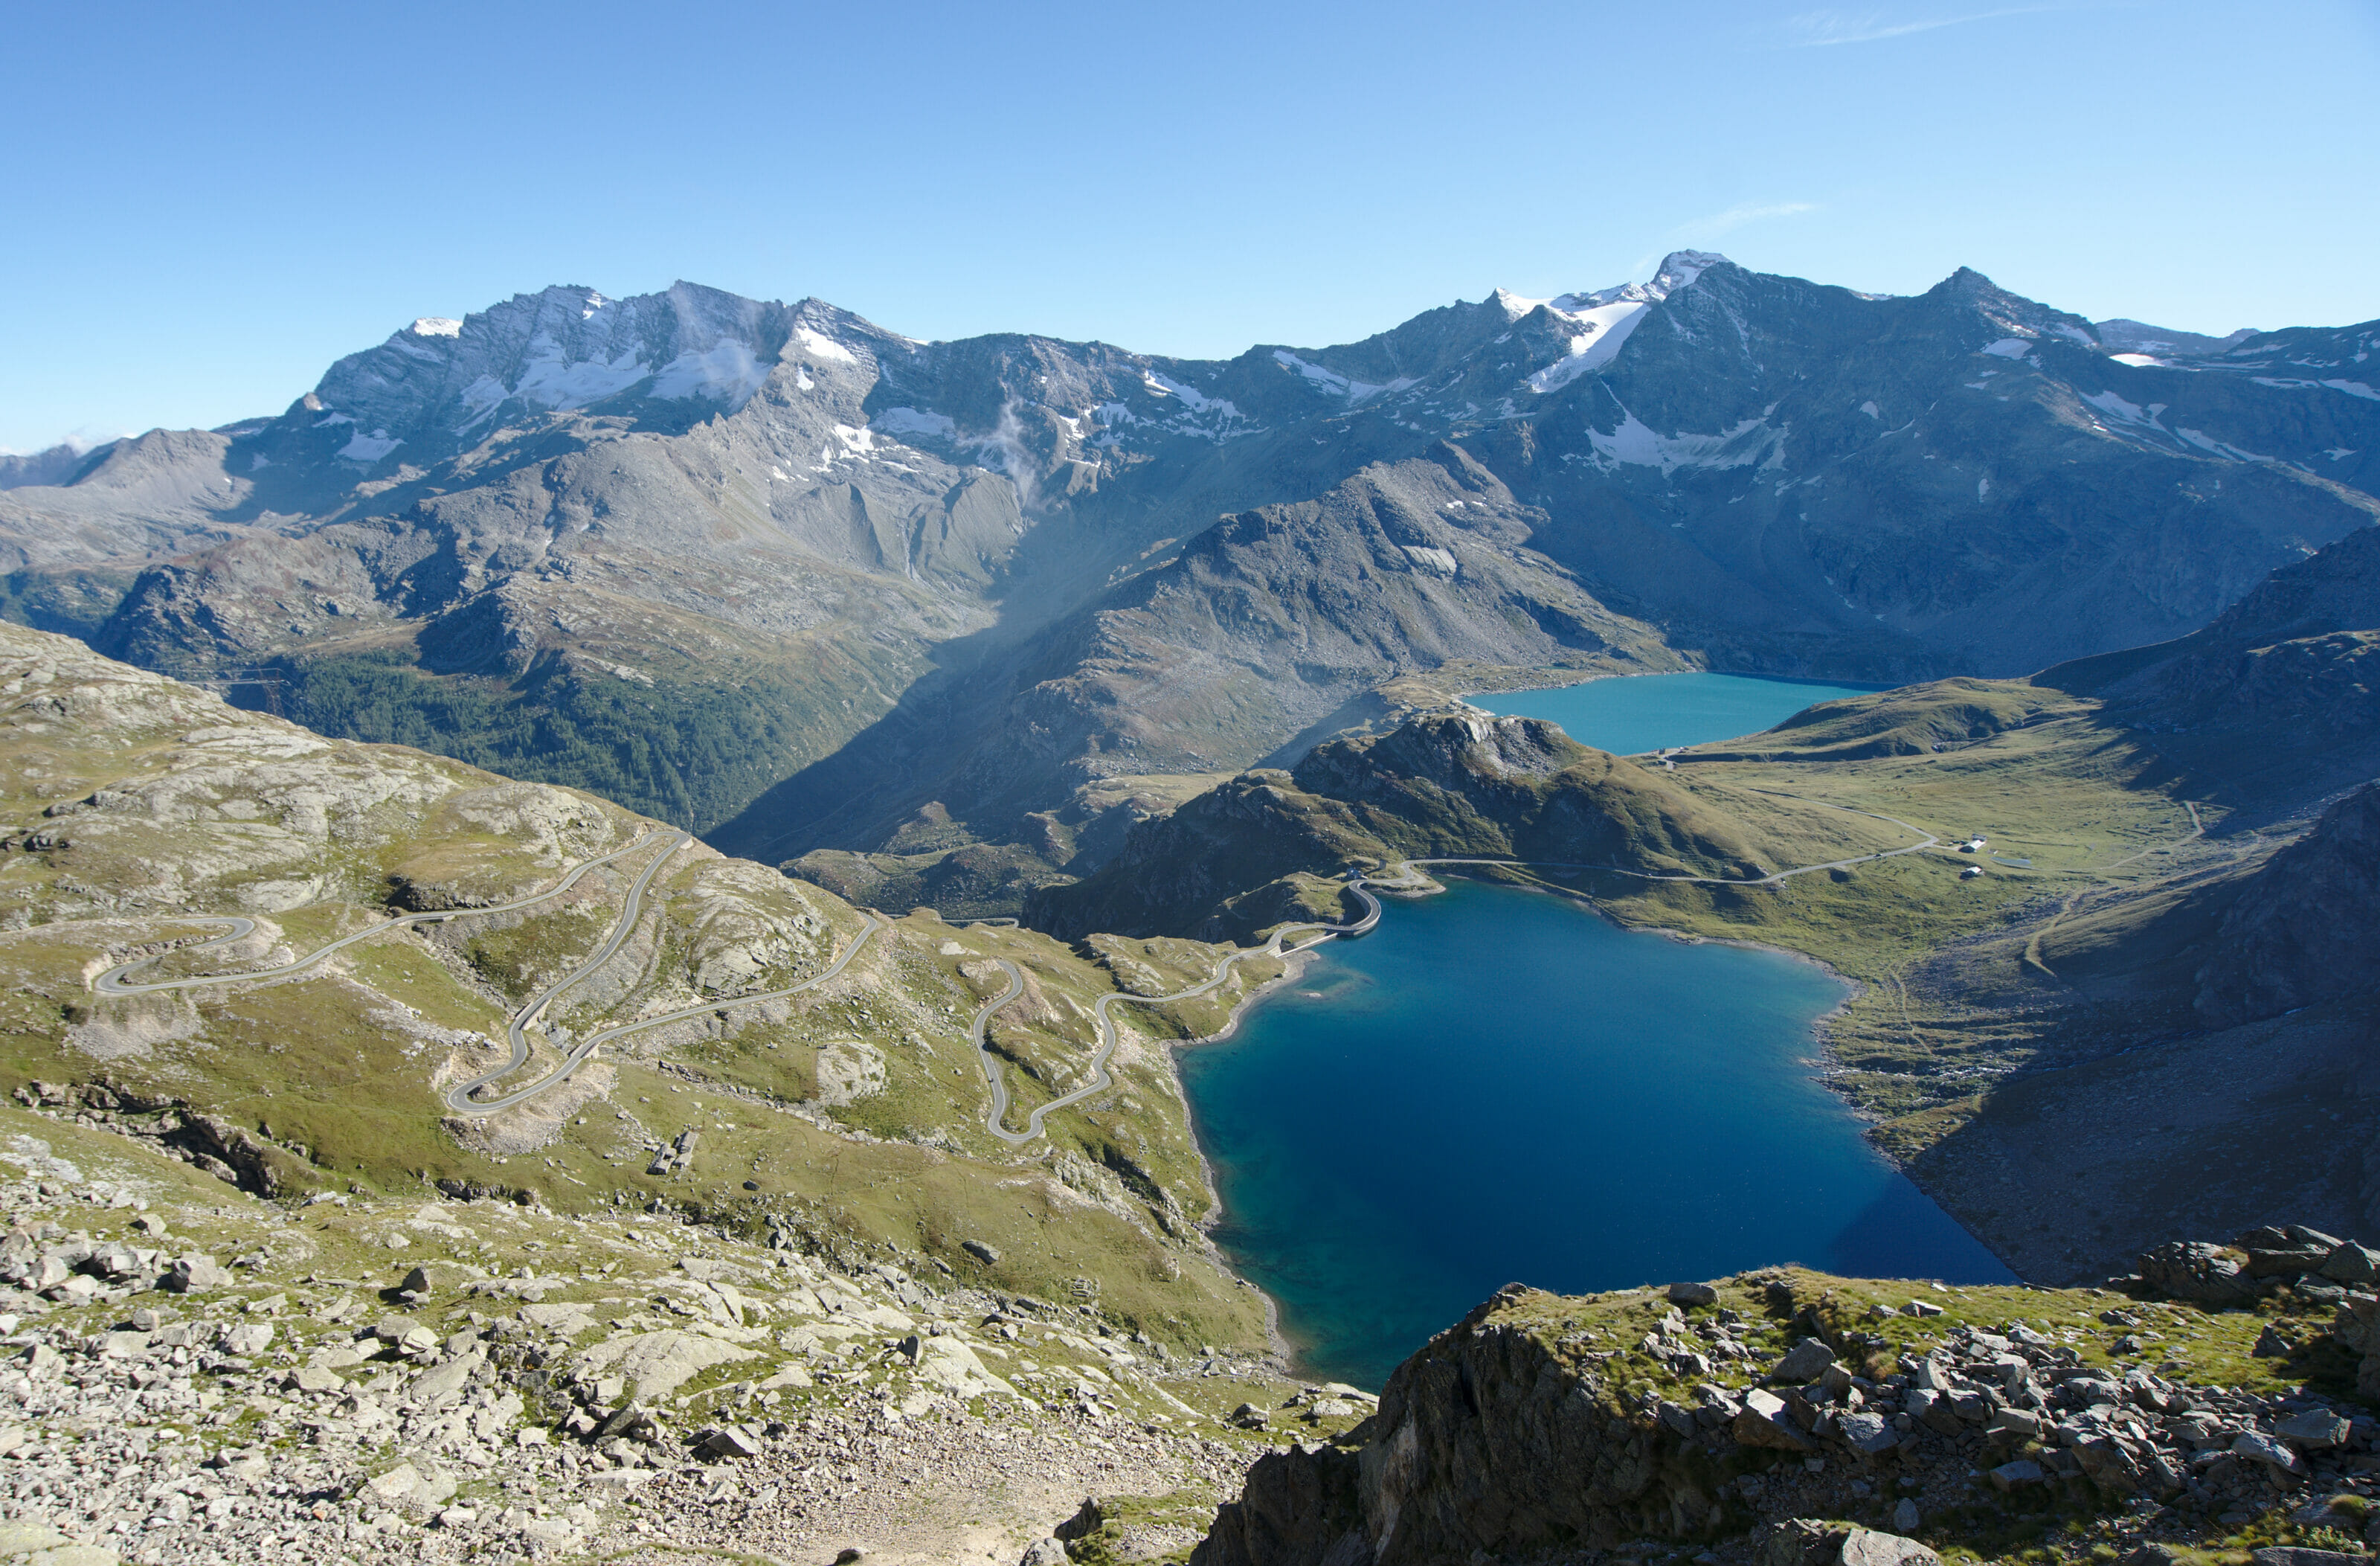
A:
[1606,317]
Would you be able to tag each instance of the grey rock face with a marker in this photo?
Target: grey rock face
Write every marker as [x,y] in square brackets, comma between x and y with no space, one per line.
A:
[2197,1272]
[1806,1361]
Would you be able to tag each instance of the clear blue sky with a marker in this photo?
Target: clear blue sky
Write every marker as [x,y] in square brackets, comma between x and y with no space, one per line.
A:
[208,205]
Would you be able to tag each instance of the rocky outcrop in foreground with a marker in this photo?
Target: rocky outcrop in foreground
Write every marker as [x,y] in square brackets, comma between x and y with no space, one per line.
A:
[188,1373]
[1791,1420]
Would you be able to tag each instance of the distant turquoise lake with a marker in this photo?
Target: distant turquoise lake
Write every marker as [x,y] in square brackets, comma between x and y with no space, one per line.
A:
[1630,714]
[1498,1085]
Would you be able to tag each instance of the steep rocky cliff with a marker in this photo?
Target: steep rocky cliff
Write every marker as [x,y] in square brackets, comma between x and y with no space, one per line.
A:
[1792,1419]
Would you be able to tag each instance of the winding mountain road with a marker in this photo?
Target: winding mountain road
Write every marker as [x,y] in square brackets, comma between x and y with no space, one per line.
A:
[113,981]
[996,1122]
[459,1099]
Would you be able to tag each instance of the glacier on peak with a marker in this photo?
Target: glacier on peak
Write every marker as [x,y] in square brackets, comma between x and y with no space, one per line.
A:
[1606,316]
[1678,270]
[570,347]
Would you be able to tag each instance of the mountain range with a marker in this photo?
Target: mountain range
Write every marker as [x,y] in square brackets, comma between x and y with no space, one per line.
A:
[809,587]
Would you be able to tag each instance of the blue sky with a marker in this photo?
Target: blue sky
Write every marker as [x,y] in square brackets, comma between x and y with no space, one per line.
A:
[210,204]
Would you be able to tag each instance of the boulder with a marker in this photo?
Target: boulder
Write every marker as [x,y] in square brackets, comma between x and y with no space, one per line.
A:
[1799,1541]
[2198,1272]
[1692,1294]
[2271,1453]
[631,1423]
[248,1340]
[1870,1435]
[2294,1262]
[1866,1548]
[1932,1410]
[420,1489]
[113,1260]
[2020,1474]
[2352,1263]
[1766,1423]
[195,1274]
[2108,1463]
[1804,1362]
[2317,1429]
[728,1442]
[1045,1552]
[445,1382]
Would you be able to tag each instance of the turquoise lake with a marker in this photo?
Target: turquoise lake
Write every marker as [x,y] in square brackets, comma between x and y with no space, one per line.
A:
[1498,1085]
[1631,714]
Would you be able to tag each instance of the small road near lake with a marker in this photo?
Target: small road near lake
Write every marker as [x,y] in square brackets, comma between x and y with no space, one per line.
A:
[996,1121]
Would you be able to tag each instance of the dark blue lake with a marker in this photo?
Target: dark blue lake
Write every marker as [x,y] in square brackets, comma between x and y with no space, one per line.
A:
[1498,1085]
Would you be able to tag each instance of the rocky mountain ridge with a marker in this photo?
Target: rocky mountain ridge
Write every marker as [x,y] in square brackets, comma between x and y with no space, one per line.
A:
[586,538]
[1243,856]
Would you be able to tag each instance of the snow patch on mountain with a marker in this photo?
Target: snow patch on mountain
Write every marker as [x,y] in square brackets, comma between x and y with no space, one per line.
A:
[1606,316]
[1639,444]
[2352,388]
[552,380]
[819,345]
[1191,397]
[370,448]
[1602,329]
[1334,383]
[436,326]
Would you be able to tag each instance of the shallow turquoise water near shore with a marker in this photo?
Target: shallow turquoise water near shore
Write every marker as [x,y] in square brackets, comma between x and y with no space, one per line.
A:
[1498,1085]
[1629,715]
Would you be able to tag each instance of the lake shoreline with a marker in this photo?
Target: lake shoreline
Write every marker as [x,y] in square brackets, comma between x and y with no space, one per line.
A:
[1339,1272]
[1812,1064]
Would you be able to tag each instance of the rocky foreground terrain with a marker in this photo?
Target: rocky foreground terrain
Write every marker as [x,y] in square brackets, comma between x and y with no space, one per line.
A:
[198,1374]
[2211,1403]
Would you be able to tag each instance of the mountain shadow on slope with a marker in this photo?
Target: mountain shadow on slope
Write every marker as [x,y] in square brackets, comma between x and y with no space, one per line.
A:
[2278,696]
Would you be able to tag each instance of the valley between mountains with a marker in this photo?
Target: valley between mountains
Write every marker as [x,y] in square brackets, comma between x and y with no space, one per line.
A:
[638,864]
